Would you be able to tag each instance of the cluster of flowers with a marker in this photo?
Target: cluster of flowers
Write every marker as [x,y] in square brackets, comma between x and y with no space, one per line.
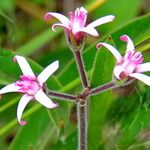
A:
[129,66]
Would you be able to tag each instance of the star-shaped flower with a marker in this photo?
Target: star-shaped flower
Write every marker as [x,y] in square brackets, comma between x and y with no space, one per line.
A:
[76,27]
[31,86]
[131,65]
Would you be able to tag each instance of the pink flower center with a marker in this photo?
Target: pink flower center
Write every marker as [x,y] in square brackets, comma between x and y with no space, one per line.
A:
[78,19]
[28,85]
[134,57]
[130,62]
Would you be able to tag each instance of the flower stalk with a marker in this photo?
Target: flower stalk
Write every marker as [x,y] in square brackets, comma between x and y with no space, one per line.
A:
[82,104]
[102,88]
[63,96]
[81,68]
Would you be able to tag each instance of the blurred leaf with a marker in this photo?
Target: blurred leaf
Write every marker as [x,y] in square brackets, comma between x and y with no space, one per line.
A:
[101,74]
[6,5]
[138,30]
[38,42]
[37,125]
[124,11]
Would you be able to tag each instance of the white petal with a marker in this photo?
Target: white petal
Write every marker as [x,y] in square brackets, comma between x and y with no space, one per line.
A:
[82,9]
[130,45]
[112,50]
[118,70]
[47,72]
[63,19]
[101,21]
[44,100]
[24,66]
[141,77]
[21,106]
[143,67]
[60,25]
[9,88]
[89,30]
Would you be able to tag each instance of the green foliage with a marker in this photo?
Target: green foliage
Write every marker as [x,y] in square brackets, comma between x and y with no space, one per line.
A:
[118,119]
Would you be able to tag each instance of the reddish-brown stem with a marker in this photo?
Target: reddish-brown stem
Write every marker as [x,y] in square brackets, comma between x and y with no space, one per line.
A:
[62,95]
[82,125]
[81,68]
[103,88]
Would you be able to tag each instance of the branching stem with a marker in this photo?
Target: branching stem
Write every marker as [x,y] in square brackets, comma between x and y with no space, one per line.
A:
[62,95]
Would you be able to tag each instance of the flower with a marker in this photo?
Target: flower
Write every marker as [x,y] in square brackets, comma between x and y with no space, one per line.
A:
[31,86]
[131,65]
[76,28]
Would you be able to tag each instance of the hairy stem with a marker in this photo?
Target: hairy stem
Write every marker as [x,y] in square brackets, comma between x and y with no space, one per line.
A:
[103,88]
[82,125]
[62,95]
[81,68]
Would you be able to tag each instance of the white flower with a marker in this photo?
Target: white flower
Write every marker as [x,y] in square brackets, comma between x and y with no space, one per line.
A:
[131,65]
[31,86]
[76,25]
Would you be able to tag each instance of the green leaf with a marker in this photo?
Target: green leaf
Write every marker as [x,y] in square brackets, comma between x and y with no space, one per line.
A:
[122,12]
[37,125]
[38,42]
[101,74]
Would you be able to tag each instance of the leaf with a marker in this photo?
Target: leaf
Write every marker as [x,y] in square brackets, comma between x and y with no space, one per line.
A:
[121,11]
[101,74]
[138,30]
[36,125]
[38,42]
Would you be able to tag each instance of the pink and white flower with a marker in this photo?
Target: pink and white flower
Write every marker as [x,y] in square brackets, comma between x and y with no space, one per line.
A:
[31,86]
[131,65]
[77,24]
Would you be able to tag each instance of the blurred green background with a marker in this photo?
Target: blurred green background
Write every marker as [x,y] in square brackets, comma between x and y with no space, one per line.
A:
[118,119]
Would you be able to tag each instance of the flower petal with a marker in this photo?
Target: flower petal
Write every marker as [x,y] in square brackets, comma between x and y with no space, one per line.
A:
[44,100]
[118,71]
[143,67]
[112,50]
[9,88]
[21,106]
[24,66]
[101,21]
[141,77]
[47,72]
[88,30]
[60,25]
[130,45]
[63,19]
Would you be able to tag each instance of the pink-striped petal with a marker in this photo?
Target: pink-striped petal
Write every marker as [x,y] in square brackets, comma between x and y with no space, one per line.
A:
[141,77]
[101,21]
[63,19]
[47,72]
[44,100]
[24,66]
[143,67]
[130,45]
[9,88]
[60,25]
[21,106]
[112,50]
[88,30]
